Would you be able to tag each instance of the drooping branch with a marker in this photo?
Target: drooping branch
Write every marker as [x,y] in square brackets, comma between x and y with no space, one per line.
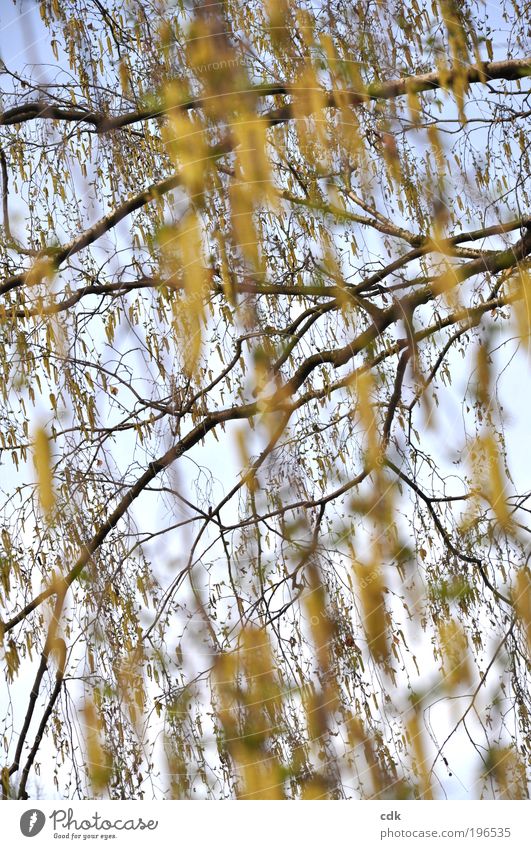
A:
[457,552]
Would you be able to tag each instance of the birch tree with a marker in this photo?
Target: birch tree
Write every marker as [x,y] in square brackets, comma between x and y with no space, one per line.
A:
[264,266]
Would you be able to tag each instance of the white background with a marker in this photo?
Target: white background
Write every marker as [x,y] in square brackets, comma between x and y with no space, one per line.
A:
[275,825]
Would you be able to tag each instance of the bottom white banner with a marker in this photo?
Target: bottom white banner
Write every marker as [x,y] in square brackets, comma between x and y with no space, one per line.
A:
[231,825]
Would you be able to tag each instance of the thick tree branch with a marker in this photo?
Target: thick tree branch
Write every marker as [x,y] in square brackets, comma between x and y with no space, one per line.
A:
[511,69]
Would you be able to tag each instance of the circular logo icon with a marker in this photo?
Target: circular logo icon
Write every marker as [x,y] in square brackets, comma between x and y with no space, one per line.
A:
[32,822]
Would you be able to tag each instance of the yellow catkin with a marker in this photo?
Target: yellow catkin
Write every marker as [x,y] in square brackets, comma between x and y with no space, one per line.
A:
[43,465]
